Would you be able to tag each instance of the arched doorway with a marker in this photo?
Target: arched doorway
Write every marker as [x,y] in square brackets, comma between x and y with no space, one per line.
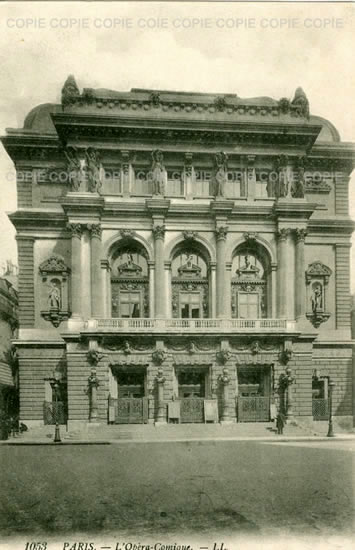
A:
[190,282]
[129,280]
[251,282]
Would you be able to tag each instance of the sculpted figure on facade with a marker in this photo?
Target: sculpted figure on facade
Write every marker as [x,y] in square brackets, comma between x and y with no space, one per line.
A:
[73,168]
[93,170]
[301,103]
[54,297]
[70,91]
[157,173]
[221,160]
[299,183]
[317,298]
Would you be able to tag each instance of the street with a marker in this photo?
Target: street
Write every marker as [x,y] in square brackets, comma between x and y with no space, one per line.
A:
[222,488]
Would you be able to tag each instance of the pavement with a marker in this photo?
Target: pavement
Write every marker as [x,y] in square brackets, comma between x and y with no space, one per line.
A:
[266,490]
[105,434]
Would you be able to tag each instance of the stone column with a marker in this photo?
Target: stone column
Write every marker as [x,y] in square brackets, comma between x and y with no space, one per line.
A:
[225,380]
[273,291]
[282,268]
[212,293]
[96,285]
[159,284]
[160,380]
[151,270]
[221,235]
[93,383]
[300,273]
[228,291]
[76,233]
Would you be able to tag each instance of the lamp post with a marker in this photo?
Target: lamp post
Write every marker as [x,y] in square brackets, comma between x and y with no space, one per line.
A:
[55,386]
[331,386]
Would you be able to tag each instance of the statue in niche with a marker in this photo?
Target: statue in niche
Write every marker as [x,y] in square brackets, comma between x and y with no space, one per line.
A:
[317,298]
[54,297]
[221,173]
[74,168]
[93,169]
[247,263]
[157,174]
[299,183]
[129,258]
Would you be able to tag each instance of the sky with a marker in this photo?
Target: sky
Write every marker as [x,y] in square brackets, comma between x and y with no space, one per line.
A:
[248,49]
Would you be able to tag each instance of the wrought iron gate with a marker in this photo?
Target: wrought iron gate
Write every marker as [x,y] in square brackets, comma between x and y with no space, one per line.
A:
[253,409]
[130,410]
[54,412]
[320,409]
[192,409]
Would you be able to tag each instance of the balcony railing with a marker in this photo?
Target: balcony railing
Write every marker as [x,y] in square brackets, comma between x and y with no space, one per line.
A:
[190,325]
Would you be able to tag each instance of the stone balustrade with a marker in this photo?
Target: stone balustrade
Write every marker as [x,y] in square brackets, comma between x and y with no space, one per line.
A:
[190,325]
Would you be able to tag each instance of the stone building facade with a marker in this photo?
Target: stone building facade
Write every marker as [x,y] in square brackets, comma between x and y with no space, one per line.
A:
[182,256]
[8,331]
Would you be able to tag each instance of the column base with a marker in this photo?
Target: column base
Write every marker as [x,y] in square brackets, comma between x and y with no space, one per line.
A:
[224,422]
[75,324]
[160,423]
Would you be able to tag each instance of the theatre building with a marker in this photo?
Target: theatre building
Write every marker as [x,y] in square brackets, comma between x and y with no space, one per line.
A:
[183,257]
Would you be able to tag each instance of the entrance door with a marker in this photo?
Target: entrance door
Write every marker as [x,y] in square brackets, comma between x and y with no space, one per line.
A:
[254,385]
[132,405]
[320,403]
[192,392]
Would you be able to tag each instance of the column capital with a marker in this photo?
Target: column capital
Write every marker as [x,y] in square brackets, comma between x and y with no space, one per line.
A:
[221,233]
[95,230]
[283,233]
[158,232]
[300,235]
[76,229]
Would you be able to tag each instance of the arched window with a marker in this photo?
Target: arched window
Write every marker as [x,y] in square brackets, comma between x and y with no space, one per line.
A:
[129,281]
[190,288]
[250,283]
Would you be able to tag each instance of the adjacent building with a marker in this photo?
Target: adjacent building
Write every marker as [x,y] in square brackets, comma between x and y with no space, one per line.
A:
[182,257]
[8,331]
